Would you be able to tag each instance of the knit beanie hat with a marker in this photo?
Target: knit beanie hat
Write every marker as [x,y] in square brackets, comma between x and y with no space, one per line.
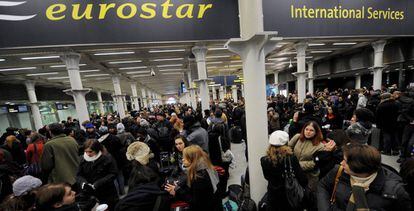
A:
[25,184]
[140,152]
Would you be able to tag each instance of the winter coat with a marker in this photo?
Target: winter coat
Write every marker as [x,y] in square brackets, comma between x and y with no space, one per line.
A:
[276,183]
[31,154]
[101,173]
[362,101]
[304,151]
[60,159]
[359,132]
[386,192]
[387,114]
[197,135]
[126,138]
[200,195]
[114,147]
[406,109]
[144,197]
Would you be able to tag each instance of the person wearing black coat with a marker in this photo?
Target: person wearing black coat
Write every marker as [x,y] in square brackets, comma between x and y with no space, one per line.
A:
[273,166]
[363,184]
[97,172]
[387,114]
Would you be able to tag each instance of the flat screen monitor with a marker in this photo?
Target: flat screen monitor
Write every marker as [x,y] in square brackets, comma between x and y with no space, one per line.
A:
[22,108]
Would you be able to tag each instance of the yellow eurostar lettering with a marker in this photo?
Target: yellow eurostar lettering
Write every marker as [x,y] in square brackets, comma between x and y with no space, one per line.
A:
[202,9]
[104,9]
[165,7]
[149,9]
[87,14]
[188,12]
[55,9]
[120,11]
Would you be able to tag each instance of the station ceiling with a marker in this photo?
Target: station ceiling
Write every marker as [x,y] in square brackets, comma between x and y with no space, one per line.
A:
[134,62]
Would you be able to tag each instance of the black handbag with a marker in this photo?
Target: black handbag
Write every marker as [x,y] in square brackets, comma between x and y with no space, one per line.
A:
[294,191]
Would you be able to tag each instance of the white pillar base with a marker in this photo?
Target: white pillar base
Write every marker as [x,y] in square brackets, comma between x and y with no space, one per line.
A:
[80,102]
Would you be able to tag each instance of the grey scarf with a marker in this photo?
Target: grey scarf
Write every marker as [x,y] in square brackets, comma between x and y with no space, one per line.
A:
[211,173]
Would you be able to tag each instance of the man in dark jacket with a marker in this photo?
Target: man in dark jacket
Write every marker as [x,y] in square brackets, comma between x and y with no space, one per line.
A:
[363,184]
[386,114]
[163,129]
[60,159]
[406,122]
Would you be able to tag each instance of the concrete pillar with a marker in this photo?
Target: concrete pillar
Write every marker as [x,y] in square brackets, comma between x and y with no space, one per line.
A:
[134,97]
[100,102]
[221,93]
[149,98]
[192,92]
[310,77]
[118,96]
[242,90]
[144,97]
[77,91]
[378,62]
[252,47]
[401,78]
[213,89]
[234,93]
[200,55]
[301,72]
[358,81]
[31,92]
[276,84]
[125,102]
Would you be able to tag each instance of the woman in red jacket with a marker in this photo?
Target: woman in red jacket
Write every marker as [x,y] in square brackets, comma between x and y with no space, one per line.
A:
[35,148]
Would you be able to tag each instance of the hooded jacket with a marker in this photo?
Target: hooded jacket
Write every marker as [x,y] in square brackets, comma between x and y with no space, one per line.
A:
[198,135]
[359,132]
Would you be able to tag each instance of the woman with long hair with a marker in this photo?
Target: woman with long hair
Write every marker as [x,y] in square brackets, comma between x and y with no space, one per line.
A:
[97,172]
[202,181]
[278,157]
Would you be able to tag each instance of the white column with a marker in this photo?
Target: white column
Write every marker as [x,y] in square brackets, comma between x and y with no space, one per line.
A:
[221,93]
[358,81]
[134,97]
[234,93]
[213,89]
[100,102]
[200,55]
[77,91]
[119,98]
[301,72]
[144,97]
[125,103]
[192,93]
[242,90]
[31,92]
[310,77]
[276,84]
[149,98]
[378,62]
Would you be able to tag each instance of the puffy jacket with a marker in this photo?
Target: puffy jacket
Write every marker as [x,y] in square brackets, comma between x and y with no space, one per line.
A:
[386,192]
[304,151]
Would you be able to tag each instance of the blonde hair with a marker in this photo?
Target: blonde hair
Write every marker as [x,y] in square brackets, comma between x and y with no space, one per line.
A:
[277,153]
[195,156]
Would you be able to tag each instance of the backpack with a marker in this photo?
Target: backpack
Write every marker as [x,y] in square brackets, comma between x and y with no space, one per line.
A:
[263,203]
[294,191]
[247,205]
[235,193]
[235,135]
[230,205]
[163,138]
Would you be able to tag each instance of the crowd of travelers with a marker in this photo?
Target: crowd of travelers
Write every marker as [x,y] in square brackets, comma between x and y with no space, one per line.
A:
[324,154]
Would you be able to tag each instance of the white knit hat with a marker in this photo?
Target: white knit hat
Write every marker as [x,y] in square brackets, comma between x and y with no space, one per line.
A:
[140,152]
[278,138]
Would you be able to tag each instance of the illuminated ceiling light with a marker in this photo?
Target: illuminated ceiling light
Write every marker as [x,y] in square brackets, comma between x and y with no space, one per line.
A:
[235,61]
[62,65]
[321,51]
[217,57]
[288,53]
[344,43]
[38,74]
[170,65]
[2,60]
[96,75]
[132,68]
[170,59]
[277,59]
[290,64]
[125,62]
[39,57]
[88,71]
[306,57]
[114,53]
[217,49]
[17,68]
[138,72]
[208,63]
[166,51]
[170,70]
[269,63]
[139,76]
[58,78]
[316,44]
[171,73]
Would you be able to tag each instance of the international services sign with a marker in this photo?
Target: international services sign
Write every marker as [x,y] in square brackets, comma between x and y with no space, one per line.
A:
[326,18]
[72,22]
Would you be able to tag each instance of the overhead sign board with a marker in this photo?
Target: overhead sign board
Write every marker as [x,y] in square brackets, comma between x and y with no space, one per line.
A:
[71,22]
[323,18]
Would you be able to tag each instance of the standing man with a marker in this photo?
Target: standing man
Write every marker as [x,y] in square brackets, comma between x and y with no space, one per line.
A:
[60,158]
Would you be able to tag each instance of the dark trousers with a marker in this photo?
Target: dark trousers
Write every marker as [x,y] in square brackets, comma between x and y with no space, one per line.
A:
[407,140]
[390,140]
